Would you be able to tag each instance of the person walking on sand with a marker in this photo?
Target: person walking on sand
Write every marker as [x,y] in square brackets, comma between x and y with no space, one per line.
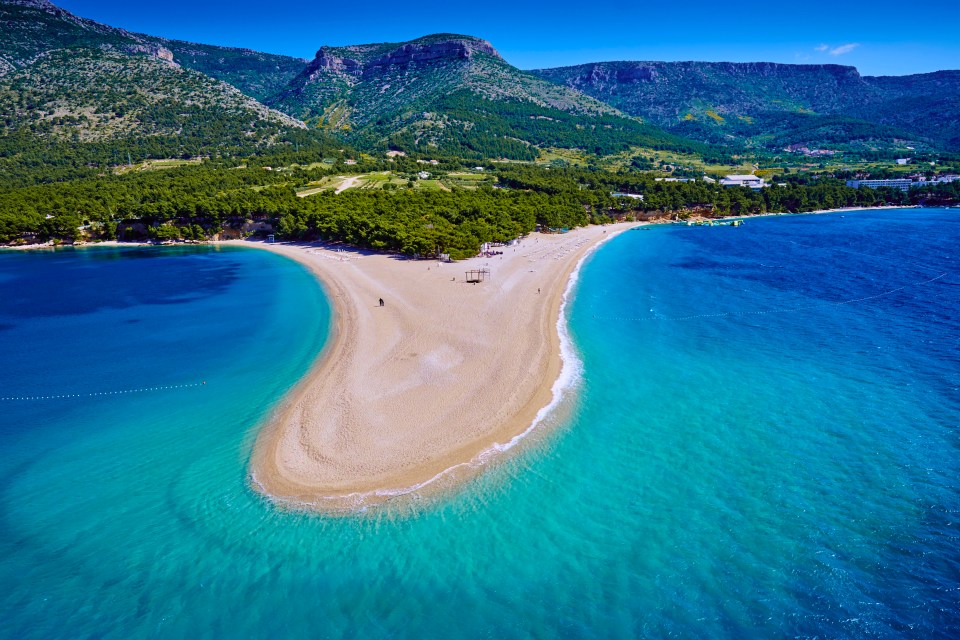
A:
[381,302]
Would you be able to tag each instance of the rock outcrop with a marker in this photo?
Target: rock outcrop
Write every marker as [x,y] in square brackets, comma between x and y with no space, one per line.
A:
[153,50]
[424,52]
[356,60]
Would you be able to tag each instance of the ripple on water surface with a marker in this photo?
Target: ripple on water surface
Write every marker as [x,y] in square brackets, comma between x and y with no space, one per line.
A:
[764,444]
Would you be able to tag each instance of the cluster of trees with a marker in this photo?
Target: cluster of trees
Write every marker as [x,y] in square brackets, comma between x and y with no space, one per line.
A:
[477,128]
[428,223]
[600,134]
[667,198]
[947,194]
[27,159]
[199,201]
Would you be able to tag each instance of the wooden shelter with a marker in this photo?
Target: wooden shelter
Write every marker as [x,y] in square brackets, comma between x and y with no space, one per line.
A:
[477,275]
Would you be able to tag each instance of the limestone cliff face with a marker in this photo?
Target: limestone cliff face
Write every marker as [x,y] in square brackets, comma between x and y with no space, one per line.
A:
[357,60]
[153,50]
[667,91]
[460,49]
[327,62]
[717,101]
[604,75]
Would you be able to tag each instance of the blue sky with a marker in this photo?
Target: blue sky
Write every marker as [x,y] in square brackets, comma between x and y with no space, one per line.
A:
[879,37]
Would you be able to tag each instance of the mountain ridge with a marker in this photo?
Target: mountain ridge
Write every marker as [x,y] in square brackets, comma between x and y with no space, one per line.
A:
[705,100]
[450,94]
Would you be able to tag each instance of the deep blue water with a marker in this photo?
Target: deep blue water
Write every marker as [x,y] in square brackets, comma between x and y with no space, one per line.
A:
[766,443]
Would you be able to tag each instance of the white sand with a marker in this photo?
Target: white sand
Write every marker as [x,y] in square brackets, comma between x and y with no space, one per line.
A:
[430,381]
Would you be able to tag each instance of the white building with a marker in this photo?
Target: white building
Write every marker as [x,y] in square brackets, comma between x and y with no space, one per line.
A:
[620,194]
[749,181]
[903,184]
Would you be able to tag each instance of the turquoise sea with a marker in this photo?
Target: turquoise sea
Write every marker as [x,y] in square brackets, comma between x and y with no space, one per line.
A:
[765,443]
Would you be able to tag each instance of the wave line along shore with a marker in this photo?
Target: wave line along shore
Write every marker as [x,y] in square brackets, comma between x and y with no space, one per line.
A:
[437,380]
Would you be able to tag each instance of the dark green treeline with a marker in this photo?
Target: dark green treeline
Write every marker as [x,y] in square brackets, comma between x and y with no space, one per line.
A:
[198,202]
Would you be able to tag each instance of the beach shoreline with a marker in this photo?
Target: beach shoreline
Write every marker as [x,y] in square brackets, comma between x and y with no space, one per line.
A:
[419,395]
[140,243]
[782,213]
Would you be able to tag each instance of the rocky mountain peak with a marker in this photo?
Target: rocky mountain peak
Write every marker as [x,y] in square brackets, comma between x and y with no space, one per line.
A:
[354,60]
[443,45]
[328,60]
[43,5]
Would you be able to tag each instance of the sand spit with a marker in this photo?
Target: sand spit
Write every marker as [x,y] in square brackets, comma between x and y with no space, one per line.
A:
[443,375]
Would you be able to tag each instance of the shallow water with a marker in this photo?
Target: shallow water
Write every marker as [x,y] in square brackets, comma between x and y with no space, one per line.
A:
[764,444]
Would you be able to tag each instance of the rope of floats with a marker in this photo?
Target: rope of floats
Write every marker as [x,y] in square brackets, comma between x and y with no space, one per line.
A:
[96,394]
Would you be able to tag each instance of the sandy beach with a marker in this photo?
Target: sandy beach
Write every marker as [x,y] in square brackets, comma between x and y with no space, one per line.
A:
[440,377]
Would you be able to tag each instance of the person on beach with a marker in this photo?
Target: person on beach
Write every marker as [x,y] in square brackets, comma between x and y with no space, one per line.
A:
[381,302]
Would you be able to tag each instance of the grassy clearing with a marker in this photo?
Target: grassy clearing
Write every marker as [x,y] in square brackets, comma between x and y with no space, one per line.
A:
[375,180]
[716,116]
[574,157]
[157,165]
[467,180]
[327,183]
[430,185]
[365,181]
[303,193]
[468,177]
[326,162]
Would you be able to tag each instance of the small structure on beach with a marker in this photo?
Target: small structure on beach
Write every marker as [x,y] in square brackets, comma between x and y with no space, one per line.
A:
[477,275]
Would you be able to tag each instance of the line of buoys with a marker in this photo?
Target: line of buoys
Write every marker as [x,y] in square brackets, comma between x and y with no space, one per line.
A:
[725,314]
[94,394]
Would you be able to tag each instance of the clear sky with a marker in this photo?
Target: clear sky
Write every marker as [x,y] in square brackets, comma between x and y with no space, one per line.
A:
[878,37]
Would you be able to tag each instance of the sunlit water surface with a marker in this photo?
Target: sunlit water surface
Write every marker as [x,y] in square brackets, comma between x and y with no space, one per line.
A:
[764,444]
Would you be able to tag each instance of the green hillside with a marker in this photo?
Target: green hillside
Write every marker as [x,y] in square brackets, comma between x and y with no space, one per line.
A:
[258,75]
[76,95]
[767,104]
[33,27]
[86,95]
[454,95]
